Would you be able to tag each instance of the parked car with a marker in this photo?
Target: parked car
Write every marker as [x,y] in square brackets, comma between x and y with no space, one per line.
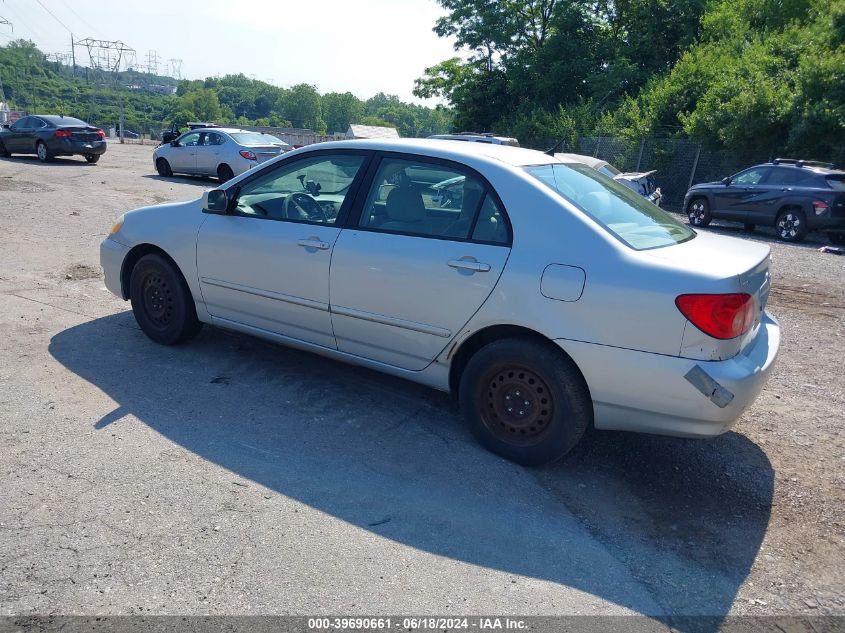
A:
[221,152]
[48,136]
[549,298]
[641,182]
[477,137]
[794,196]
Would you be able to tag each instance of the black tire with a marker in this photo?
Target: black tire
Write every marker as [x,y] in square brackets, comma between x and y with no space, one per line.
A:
[698,212]
[163,168]
[162,302]
[3,151]
[225,173]
[749,227]
[837,238]
[92,158]
[43,152]
[501,377]
[791,225]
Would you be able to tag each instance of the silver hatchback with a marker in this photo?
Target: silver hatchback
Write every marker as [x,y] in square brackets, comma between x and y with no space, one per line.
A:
[546,296]
[221,152]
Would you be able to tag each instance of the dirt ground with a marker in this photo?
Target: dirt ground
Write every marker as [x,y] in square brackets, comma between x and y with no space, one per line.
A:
[234,476]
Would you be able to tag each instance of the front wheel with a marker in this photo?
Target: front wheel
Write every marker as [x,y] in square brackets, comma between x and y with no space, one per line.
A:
[43,153]
[163,168]
[225,173]
[525,400]
[791,225]
[3,151]
[698,212]
[162,302]
[92,158]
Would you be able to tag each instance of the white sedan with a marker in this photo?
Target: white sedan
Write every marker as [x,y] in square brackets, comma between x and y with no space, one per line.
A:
[547,297]
[219,151]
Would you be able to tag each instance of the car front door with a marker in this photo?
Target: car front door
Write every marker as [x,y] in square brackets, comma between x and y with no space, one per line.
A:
[733,201]
[208,153]
[266,263]
[415,265]
[14,139]
[183,156]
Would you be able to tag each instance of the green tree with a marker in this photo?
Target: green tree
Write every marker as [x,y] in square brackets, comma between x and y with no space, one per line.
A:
[202,102]
[341,109]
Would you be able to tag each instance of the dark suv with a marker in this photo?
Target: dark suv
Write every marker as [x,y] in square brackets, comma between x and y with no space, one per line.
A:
[794,196]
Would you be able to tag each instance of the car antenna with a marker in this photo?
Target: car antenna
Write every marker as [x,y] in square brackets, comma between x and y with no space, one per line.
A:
[557,146]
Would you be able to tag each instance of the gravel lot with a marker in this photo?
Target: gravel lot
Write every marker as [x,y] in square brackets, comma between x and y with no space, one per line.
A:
[233,476]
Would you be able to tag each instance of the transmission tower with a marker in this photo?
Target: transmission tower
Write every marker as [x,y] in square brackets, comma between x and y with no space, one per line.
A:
[175,68]
[60,58]
[105,54]
[153,61]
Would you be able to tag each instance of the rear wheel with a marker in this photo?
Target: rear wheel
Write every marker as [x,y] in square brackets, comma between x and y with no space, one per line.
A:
[162,302]
[525,400]
[163,168]
[791,225]
[225,173]
[92,158]
[698,212]
[43,153]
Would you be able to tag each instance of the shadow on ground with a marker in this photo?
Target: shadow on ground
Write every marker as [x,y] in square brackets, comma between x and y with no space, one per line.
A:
[658,525]
[206,182]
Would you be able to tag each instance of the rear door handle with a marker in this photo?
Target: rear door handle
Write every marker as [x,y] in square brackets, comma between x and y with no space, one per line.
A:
[314,242]
[469,264]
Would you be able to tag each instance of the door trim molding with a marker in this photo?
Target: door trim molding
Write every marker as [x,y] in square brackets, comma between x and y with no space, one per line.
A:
[267,294]
[393,321]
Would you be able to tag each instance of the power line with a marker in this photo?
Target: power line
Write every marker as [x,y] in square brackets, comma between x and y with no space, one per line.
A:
[41,4]
[79,17]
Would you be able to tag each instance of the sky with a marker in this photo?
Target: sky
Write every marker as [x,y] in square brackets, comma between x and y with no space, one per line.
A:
[360,46]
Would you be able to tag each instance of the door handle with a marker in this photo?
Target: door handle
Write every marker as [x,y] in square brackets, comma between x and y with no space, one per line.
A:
[469,264]
[314,242]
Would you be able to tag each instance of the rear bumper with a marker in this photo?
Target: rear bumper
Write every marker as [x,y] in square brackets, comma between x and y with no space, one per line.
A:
[70,146]
[112,255]
[650,393]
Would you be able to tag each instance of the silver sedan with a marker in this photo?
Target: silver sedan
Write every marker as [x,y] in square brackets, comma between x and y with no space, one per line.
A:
[546,296]
[221,152]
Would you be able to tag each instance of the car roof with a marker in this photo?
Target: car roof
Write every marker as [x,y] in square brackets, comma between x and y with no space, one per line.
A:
[816,169]
[448,149]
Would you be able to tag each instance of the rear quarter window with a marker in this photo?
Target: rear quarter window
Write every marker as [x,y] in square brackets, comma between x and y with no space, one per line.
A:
[836,181]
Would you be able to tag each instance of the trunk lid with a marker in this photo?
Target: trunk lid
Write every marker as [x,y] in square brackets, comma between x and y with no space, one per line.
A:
[79,133]
[265,152]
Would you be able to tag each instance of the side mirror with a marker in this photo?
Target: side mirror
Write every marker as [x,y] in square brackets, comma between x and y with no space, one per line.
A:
[217,200]
[726,180]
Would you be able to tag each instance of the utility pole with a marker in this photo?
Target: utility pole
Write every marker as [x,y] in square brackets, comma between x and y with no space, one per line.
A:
[73,54]
[122,121]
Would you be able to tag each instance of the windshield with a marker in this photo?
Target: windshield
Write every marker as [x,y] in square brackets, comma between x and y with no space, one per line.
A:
[623,213]
[255,138]
[64,120]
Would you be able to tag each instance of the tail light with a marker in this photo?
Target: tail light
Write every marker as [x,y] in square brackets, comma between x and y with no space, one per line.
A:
[721,316]
[62,134]
[101,134]
[247,154]
[820,206]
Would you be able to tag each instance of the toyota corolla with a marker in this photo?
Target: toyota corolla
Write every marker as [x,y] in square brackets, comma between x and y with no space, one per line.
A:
[545,296]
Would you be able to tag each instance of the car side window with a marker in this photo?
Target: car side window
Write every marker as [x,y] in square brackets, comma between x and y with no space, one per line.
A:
[190,140]
[789,176]
[751,176]
[212,138]
[310,190]
[491,225]
[36,124]
[21,124]
[421,198]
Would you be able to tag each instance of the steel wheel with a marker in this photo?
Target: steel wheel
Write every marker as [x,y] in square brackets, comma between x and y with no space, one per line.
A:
[158,300]
[791,226]
[699,212]
[517,405]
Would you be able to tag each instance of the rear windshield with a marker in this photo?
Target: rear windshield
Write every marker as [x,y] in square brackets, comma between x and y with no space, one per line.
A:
[609,170]
[837,181]
[64,120]
[623,213]
[255,138]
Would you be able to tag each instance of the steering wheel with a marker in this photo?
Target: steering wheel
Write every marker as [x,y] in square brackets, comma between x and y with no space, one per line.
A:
[301,206]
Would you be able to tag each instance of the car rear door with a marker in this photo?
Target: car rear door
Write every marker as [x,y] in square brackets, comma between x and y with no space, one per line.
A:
[208,153]
[408,273]
[266,264]
[781,186]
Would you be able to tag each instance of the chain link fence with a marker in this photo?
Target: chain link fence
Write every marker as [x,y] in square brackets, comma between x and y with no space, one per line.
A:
[679,163]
